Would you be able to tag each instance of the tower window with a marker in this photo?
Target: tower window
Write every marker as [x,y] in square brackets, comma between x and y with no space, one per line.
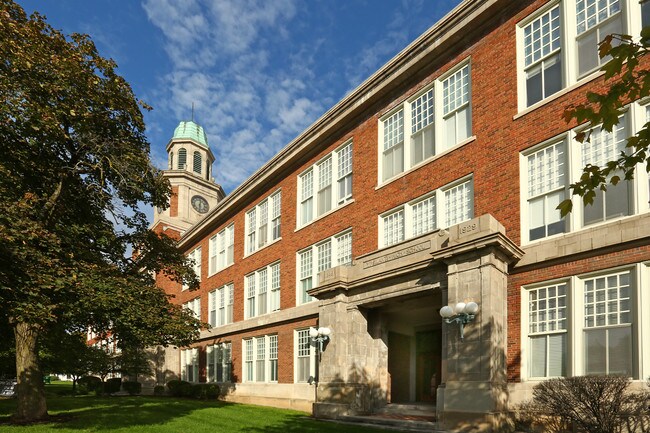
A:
[197,162]
[182,158]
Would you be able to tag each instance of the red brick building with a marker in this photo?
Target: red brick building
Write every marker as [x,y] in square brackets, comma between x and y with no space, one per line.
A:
[433,183]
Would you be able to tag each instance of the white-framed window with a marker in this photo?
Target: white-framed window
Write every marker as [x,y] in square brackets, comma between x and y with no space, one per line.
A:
[261,359]
[195,256]
[447,206]
[326,254]
[221,303]
[558,44]
[263,223]
[305,356]
[190,365]
[547,334]
[542,56]
[325,185]
[219,360]
[586,324]
[222,250]
[194,306]
[262,291]
[436,119]
[548,170]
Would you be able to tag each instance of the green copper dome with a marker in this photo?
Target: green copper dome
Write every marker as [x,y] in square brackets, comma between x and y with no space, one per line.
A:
[191,130]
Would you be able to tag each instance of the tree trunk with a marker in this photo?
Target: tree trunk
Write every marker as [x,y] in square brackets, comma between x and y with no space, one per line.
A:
[30,388]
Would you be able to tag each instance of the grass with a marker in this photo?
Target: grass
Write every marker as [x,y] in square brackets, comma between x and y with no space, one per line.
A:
[163,415]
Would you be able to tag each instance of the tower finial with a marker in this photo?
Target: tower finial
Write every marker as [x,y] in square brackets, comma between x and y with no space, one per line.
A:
[192,111]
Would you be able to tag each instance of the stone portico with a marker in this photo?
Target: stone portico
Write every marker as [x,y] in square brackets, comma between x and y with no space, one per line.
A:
[388,342]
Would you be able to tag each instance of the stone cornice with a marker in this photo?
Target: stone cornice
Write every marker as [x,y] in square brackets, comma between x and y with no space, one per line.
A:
[497,240]
[456,26]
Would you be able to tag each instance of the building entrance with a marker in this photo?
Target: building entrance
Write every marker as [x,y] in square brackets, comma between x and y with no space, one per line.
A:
[414,349]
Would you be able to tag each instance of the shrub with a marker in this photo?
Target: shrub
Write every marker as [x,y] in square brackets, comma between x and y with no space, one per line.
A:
[132,387]
[113,385]
[89,384]
[179,388]
[159,390]
[185,389]
[209,391]
[594,404]
[204,391]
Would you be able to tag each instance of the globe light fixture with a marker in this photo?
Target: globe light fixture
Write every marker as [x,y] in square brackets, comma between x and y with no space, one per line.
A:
[462,313]
[320,336]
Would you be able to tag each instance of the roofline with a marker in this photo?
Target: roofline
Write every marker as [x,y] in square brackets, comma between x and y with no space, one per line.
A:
[436,39]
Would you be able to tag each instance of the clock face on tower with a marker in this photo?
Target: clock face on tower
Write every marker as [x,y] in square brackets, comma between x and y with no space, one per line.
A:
[200,204]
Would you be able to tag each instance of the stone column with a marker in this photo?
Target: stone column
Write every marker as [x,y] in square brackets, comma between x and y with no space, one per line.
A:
[474,370]
[353,371]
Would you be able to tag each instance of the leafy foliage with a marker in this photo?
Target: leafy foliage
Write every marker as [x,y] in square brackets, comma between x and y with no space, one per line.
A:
[75,171]
[627,80]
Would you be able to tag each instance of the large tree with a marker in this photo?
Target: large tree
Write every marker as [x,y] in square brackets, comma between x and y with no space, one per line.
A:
[74,171]
[627,79]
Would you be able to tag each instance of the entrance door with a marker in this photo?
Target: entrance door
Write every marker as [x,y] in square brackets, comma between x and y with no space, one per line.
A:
[428,365]
[399,356]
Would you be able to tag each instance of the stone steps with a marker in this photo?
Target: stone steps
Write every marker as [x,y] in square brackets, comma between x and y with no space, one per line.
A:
[400,417]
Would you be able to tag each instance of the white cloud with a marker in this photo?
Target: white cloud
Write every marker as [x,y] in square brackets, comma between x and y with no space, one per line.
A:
[221,52]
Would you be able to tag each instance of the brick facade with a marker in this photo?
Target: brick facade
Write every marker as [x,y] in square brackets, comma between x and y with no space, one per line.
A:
[485,33]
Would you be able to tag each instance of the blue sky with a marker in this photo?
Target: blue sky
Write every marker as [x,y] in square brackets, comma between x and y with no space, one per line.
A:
[258,72]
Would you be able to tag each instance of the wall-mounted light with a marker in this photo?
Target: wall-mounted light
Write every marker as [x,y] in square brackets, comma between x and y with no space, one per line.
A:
[320,336]
[462,314]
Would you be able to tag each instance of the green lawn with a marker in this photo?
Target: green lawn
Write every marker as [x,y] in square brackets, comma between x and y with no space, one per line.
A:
[164,415]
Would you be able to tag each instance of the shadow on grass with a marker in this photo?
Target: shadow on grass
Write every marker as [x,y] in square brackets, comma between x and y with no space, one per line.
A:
[171,415]
[110,413]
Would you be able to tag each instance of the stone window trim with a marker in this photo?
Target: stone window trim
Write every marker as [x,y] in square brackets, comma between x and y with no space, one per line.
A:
[263,223]
[630,305]
[221,305]
[194,306]
[638,189]
[404,144]
[326,186]
[221,250]
[260,359]
[412,217]
[304,356]
[625,18]
[189,364]
[330,252]
[194,255]
[219,362]
[262,291]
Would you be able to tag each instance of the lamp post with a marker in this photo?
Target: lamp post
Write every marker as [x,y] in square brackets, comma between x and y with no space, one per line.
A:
[462,314]
[320,336]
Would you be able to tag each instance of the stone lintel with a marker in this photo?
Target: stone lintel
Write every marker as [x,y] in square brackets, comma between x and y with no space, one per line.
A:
[391,262]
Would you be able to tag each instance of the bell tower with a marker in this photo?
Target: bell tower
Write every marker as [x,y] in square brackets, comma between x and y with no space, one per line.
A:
[189,170]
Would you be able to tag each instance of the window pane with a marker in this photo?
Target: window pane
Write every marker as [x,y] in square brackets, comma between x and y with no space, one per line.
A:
[459,204]
[552,76]
[394,228]
[620,350]
[534,85]
[557,355]
[587,52]
[595,351]
[538,356]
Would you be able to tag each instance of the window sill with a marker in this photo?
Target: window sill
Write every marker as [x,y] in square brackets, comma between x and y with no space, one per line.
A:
[221,270]
[320,217]
[261,248]
[559,94]
[425,162]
